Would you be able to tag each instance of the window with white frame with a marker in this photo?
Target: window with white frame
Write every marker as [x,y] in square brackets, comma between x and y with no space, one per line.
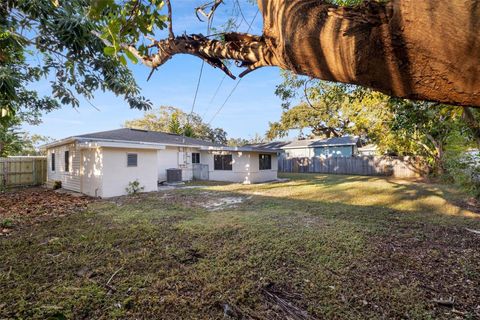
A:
[222,162]
[132,159]
[52,160]
[67,161]
[195,157]
[265,162]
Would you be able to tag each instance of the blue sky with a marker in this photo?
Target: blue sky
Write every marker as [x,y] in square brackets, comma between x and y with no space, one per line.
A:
[248,111]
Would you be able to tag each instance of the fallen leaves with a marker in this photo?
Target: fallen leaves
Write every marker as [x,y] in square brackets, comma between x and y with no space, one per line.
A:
[32,205]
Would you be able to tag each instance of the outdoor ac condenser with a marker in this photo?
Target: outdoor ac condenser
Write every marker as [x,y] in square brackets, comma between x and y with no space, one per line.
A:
[174,175]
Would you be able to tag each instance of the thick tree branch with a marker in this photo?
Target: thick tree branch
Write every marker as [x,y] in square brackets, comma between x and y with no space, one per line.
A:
[404,48]
[250,50]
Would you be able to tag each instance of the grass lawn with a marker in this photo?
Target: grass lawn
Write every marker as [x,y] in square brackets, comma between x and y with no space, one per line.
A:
[316,247]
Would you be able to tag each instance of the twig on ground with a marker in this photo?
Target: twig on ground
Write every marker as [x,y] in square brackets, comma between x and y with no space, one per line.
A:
[444,302]
[113,275]
[474,231]
[292,311]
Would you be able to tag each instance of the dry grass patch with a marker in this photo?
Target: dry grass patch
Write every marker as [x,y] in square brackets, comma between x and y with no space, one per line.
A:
[315,247]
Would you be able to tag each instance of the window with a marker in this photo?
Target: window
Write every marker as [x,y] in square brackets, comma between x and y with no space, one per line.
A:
[53,161]
[67,161]
[195,157]
[132,159]
[222,162]
[265,162]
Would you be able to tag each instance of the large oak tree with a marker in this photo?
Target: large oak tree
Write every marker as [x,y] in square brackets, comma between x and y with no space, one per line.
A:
[427,50]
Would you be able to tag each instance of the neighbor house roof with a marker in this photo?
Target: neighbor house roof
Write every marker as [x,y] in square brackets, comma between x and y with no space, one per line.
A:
[309,143]
[137,136]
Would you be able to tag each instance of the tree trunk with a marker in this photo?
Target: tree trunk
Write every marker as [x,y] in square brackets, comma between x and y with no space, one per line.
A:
[473,124]
[438,156]
[426,50]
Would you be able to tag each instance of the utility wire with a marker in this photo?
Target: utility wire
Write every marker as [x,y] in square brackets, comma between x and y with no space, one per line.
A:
[224,75]
[224,102]
[209,25]
[236,85]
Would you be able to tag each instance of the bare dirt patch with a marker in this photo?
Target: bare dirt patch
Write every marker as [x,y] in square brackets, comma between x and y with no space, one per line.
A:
[32,205]
[221,203]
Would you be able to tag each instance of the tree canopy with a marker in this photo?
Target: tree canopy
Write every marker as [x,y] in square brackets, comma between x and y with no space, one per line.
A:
[56,40]
[397,126]
[174,120]
[83,46]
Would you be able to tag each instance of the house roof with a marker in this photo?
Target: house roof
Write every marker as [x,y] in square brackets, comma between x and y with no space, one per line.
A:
[309,143]
[137,135]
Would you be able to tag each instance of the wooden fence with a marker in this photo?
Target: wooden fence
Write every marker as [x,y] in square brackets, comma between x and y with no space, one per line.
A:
[368,166]
[22,171]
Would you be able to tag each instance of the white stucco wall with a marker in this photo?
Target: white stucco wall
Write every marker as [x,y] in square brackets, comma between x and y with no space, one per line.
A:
[117,175]
[71,179]
[175,157]
[245,168]
[166,159]
[91,169]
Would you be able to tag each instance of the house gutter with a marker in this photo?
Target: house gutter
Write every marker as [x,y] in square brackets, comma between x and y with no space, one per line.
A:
[82,140]
[239,149]
[319,146]
[86,140]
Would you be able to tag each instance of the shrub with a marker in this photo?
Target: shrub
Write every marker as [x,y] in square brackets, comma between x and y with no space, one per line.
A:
[465,171]
[134,187]
[57,184]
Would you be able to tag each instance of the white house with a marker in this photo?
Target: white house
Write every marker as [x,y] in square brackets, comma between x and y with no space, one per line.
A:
[102,164]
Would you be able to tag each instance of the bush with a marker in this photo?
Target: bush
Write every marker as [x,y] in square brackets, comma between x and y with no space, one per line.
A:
[134,187]
[57,184]
[464,170]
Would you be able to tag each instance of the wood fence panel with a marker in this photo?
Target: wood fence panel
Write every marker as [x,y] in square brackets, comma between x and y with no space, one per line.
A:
[22,171]
[368,166]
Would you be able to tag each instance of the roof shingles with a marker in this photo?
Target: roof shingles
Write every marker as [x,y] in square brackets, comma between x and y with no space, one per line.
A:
[136,135]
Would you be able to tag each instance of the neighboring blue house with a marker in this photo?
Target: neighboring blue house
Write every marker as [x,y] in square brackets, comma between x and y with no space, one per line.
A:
[325,148]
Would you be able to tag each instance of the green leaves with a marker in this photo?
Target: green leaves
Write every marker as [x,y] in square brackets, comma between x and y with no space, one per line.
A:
[109,51]
[64,48]
[131,57]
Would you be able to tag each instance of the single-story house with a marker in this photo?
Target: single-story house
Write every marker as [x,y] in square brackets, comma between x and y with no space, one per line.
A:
[102,164]
[332,147]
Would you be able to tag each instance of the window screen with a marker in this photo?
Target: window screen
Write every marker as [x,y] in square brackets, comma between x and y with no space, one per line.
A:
[132,160]
[195,157]
[67,161]
[265,162]
[222,162]
[53,161]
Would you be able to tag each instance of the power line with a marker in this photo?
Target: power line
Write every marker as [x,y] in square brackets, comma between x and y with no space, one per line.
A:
[236,85]
[209,25]
[198,86]
[225,102]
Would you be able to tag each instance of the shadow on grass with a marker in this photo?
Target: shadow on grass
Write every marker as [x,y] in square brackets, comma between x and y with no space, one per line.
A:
[163,255]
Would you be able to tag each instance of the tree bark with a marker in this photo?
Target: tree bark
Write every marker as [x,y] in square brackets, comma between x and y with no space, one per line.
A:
[426,50]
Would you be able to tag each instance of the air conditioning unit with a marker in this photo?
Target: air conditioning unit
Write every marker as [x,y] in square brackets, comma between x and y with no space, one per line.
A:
[174,175]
